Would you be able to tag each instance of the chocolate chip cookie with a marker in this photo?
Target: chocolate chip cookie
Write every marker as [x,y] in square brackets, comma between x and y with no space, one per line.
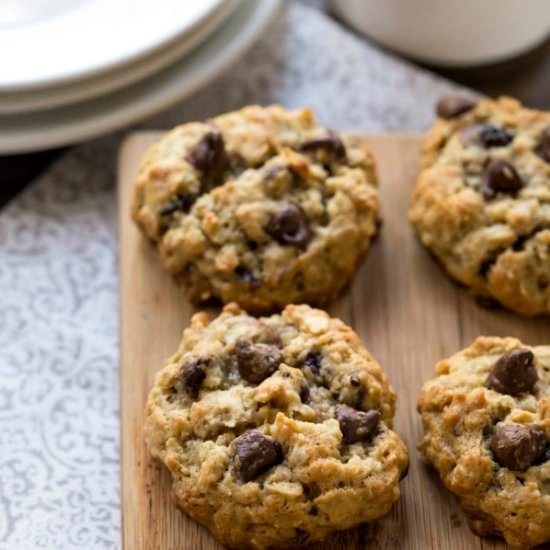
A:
[277,430]
[482,200]
[255,206]
[486,420]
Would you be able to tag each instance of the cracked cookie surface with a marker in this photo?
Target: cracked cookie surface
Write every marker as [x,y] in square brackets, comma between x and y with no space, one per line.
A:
[276,430]
[486,420]
[253,206]
[482,200]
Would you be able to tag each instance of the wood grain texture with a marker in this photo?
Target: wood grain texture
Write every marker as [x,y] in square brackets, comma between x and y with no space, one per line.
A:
[407,312]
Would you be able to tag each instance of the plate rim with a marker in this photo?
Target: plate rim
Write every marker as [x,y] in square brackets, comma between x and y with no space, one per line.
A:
[33,82]
[113,80]
[237,34]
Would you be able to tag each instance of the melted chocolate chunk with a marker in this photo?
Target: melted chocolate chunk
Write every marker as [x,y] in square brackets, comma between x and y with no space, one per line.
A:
[452,106]
[356,425]
[514,373]
[257,361]
[182,202]
[255,454]
[209,155]
[193,374]
[516,446]
[543,150]
[331,143]
[500,177]
[494,136]
[289,226]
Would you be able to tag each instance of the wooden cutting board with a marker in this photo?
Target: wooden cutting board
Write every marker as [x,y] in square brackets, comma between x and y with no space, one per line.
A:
[407,312]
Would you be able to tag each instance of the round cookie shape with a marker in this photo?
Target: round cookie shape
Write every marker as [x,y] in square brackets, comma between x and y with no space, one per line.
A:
[253,206]
[486,418]
[270,457]
[482,200]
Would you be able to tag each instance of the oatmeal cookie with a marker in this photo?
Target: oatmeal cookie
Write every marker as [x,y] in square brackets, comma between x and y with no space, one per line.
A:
[486,419]
[276,430]
[260,206]
[482,200]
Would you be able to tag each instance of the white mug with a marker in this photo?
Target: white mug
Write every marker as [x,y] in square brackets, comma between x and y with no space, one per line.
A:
[451,32]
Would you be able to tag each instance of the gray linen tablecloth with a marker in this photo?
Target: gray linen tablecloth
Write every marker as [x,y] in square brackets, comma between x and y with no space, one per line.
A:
[59,406]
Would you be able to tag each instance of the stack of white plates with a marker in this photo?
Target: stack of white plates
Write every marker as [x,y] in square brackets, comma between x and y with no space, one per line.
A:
[74,69]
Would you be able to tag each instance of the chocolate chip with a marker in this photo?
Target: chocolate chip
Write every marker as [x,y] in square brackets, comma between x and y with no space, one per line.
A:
[248,277]
[544,455]
[193,374]
[255,454]
[451,106]
[516,446]
[543,150]
[257,361]
[500,177]
[313,361]
[355,380]
[356,425]
[182,202]
[514,373]
[331,143]
[494,136]
[209,155]
[289,226]
[305,393]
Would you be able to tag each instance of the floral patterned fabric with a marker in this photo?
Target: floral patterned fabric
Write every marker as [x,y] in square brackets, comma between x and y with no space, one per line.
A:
[59,407]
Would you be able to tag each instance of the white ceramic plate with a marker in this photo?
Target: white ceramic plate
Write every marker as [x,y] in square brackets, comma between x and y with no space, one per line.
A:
[46,42]
[47,129]
[33,100]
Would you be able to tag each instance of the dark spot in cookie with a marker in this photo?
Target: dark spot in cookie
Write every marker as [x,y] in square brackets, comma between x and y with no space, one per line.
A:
[192,375]
[544,455]
[209,155]
[182,202]
[257,361]
[514,373]
[253,245]
[301,536]
[305,393]
[487,302]
[255,454]
[330,143]
[500,177]
[519,243]
[313,511]
[451,106]
[355,380]
[494,136]
[356,425]
[289,226]
[543,149]
[313,361]
[248,277]
[516,446]
[486,265]
[311,490]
